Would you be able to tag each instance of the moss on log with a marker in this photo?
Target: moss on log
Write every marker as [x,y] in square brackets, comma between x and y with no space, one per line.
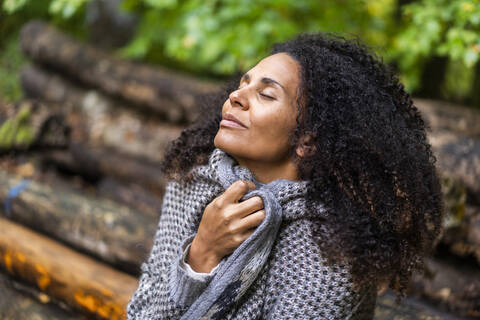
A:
[28,125]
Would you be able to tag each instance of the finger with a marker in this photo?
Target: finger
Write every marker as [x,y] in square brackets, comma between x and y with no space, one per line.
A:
[252,220]
[250,184]
[244,208]
[248,233]
[236,191]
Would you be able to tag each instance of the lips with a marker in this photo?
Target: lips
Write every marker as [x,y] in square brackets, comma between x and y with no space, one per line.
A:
[230,120]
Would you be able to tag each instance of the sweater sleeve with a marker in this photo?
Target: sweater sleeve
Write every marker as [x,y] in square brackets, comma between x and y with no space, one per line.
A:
[192,273]
[185,284]
[166,289]
[305,286]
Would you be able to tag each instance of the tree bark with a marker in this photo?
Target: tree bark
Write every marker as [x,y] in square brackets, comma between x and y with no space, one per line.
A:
[408,309]
[99,120]
[458,157]
[95,163]
[131,195]
[115,234]
[83,283]
[444,116]
[21,302]
[170,94]
[108,25]
[463,239]
[452,285]
[143,181]
[28,125]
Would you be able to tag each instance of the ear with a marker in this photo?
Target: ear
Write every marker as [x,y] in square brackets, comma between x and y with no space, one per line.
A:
[305,146]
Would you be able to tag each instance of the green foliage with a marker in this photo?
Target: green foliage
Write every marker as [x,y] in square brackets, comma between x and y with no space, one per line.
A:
[13,5]
[64,8]
[68,15]
[17,131]
[11,61]
[17,12]
[219,37]
[437,28]
[65,14]
[223,36]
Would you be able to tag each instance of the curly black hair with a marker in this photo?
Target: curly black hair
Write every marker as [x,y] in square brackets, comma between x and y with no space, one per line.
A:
[369,164]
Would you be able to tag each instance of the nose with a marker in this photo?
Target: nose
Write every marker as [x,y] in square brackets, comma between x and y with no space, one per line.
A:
[237,98]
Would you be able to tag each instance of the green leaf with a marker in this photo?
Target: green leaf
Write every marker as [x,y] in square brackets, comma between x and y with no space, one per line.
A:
[470,57]
[136,49]
[130,5]
[7,133]
[475,19]
[10,6]
[66,8]
[161,4]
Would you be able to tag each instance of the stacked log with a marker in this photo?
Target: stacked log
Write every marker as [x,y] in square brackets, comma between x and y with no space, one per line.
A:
[409,309]
[451,284]
[106,139]
[452,280]
[113,233]
[94,163]
[458,157]
[98,119]
[20,301]
[444,116]
[30,125]
[82,282]
[166,93]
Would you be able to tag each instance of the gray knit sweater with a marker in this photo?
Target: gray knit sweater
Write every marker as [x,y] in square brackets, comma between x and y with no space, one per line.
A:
[292,282]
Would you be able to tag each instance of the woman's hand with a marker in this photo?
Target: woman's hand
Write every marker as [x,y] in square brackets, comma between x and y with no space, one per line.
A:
[225,224]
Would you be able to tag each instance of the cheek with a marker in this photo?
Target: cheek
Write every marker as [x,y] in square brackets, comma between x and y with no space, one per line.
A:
[276,126]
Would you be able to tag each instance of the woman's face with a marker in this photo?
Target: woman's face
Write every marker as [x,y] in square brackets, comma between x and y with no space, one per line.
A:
[265,104]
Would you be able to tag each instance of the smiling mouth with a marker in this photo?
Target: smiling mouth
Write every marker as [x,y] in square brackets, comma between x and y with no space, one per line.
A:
[231,124]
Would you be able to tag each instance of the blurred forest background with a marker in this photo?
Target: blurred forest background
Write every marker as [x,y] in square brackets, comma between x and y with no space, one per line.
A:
[433,44]
[92,91]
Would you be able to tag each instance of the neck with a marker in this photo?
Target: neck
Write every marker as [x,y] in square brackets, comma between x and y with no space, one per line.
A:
[266,172]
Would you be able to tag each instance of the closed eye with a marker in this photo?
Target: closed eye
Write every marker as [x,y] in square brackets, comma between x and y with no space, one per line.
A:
[267,96]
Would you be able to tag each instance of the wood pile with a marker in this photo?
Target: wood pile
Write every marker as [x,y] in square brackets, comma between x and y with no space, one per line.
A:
[81,191]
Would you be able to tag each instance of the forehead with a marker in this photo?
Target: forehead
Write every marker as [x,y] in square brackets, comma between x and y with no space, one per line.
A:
[280,67]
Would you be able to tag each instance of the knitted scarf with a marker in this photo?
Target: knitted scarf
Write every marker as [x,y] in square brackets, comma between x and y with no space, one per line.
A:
[237,273]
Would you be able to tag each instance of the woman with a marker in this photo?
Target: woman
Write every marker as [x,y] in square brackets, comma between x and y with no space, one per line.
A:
[312,187]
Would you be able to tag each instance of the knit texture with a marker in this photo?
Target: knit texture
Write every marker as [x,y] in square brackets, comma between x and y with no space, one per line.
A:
[277,273]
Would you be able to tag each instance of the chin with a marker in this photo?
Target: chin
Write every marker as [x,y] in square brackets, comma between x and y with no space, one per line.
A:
[220,143]
[230,147]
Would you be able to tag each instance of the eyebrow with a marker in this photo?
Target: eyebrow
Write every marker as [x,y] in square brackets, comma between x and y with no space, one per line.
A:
[264,80]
